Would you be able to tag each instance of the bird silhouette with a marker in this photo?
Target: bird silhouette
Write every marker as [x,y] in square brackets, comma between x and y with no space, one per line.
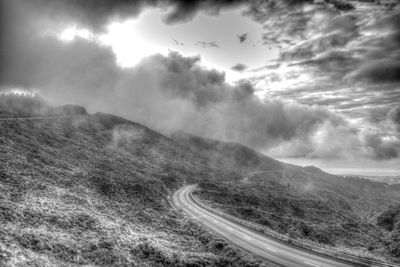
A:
[207,44]
[177,42]
[242,37]
[213,44]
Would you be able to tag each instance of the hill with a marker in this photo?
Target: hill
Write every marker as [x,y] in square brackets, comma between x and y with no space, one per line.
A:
[390,220]
[302,202]
[14,105]
[226,155]
[384,179]
[93,190]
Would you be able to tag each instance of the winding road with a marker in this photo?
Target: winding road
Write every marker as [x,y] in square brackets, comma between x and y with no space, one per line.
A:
[250,240]
[245,238]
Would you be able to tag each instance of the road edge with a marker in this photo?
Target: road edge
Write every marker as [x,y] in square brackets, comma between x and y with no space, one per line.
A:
[347,258]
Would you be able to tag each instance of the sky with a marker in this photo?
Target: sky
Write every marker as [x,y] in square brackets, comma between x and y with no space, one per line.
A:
[309,82]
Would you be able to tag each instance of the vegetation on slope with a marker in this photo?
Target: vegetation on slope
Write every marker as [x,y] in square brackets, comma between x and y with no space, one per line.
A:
[93,190]
[227,156]
[304,203]
[390,220]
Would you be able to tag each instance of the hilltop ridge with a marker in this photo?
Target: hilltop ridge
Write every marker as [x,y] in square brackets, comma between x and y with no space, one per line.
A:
[14,105]
[94,189]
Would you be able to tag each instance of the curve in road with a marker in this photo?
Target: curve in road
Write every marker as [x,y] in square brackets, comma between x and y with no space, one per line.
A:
[249,240]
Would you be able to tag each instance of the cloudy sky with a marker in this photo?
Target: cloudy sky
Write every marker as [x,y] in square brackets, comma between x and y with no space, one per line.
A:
[311,82]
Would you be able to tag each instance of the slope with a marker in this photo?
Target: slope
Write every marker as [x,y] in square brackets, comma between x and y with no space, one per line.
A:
[93,190]
[390,220]
[302,202]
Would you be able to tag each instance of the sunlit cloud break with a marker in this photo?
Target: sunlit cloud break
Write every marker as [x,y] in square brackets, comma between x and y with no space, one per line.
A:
[311,80]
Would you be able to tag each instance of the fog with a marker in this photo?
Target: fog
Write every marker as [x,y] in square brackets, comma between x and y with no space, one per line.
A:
[176,92]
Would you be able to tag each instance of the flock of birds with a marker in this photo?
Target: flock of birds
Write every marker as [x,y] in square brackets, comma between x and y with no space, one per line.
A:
[242,38]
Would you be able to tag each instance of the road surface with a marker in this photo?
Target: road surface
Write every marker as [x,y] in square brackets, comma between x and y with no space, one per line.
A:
[249,240]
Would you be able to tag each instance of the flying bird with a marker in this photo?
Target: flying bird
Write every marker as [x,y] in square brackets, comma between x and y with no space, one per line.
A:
[177,42]
[242,37]
[207,44]
[213,44]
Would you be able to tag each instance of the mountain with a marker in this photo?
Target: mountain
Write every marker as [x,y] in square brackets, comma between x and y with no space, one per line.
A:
[227,155]
[93,190]
[303,202]
[257,167]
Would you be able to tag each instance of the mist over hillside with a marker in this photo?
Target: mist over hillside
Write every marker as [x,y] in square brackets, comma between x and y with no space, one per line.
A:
[17,105]
[94,189]
[302,202]
[384,179]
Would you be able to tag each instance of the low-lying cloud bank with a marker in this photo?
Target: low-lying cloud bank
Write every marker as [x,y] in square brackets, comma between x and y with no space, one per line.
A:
[173,92]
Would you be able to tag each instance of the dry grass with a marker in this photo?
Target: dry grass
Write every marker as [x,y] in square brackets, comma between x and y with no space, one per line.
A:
[304,203]
[92,191]
[323,218]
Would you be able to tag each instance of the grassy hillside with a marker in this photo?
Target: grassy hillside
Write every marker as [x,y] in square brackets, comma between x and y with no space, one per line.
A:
[390,220]
[228,156]
[384,179]
[93,190]
[304,203]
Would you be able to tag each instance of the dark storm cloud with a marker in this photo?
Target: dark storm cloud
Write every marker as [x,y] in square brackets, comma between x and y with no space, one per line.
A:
[379,71]
[243,90]
[325,31]
[166,92]
[333,64]
[239,67]
[355,51]
[381,52]
[314,100]
[382,149]
[188,80]
[174,92]
[394,115]
[97,14]
[271,66]
[186,10]
[385,143]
